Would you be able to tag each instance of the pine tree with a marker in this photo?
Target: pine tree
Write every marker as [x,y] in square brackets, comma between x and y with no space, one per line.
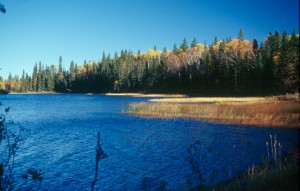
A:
[294,55]
[34,78]
[175,49]
[254,44]
[184,46]
[23,82]
[194,43]
[215,40]
[49,82]
[60,81]
[40,78]
[72,71]
[241,35]
[164,49]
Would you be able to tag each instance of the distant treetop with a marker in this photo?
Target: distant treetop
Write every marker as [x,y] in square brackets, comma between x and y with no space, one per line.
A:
[2,8]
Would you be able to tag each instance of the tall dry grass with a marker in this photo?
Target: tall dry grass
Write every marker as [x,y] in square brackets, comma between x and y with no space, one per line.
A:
[268,113]
[209,99]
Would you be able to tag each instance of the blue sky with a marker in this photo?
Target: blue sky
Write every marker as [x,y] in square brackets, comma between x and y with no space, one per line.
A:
[42,30]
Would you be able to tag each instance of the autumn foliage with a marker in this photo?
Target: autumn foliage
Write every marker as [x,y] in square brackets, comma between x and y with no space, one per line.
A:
[228,67]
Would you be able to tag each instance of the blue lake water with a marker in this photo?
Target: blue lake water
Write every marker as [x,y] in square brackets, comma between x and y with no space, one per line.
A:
[62,138]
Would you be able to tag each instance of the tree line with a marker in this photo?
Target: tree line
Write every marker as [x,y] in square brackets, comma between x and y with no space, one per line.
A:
[226,67]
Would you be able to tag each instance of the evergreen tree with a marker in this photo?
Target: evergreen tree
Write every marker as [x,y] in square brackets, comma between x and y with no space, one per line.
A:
[34,78]
[241,35]
[40,78]
[255,44]
[23,82]
[215,40]
[50,76]
[60,81]
[294,55]
[184,45]
[175,49]
[194,43]
[164,49]
[72,71]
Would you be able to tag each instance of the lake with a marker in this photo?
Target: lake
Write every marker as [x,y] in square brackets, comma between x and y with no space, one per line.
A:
[62,137]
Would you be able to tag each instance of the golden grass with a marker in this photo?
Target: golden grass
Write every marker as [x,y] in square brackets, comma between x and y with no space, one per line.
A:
[209,99]
[259,113]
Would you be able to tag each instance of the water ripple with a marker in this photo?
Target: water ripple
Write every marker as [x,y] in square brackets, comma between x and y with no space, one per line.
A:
[63,133]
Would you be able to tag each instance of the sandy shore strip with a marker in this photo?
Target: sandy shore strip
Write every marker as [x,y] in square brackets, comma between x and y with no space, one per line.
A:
[210,99]
[147,95]
[34,92]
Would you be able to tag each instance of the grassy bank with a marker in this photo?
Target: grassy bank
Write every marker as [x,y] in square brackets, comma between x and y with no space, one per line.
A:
[251,113]
[210,99]
[278,175]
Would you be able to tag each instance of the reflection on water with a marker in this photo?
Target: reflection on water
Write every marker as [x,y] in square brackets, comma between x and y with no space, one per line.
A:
[63,133]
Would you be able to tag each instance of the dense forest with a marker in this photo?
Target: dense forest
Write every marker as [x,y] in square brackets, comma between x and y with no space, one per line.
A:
[226,67]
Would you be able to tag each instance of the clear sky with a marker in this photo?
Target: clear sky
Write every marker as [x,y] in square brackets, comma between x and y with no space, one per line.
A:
[42,30]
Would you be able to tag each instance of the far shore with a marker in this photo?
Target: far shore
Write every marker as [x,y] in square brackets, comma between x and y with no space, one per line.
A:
[108,94]
[34,92]
[148,95]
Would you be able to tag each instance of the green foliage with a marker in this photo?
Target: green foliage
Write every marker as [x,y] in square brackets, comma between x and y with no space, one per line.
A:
[194,43]
[241,35]
[184,46]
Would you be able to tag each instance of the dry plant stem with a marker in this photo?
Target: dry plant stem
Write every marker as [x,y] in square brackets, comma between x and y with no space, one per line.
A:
[97,162]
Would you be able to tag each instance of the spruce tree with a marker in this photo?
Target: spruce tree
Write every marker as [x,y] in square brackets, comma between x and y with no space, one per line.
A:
[175,49]
[72,71]
[34,78]
[184,46]
[241,35]
[215,40]
[194,43]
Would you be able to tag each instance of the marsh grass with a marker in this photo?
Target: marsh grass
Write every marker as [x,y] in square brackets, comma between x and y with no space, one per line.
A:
[209,99]
[267,177]
[276,173]
[250,113]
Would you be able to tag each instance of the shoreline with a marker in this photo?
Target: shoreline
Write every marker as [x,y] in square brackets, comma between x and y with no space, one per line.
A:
[210,99]
[31,93]
[106,94]
[147,95]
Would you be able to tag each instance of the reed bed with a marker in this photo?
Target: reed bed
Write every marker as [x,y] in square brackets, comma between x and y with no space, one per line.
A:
[209,99]
[249,113]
